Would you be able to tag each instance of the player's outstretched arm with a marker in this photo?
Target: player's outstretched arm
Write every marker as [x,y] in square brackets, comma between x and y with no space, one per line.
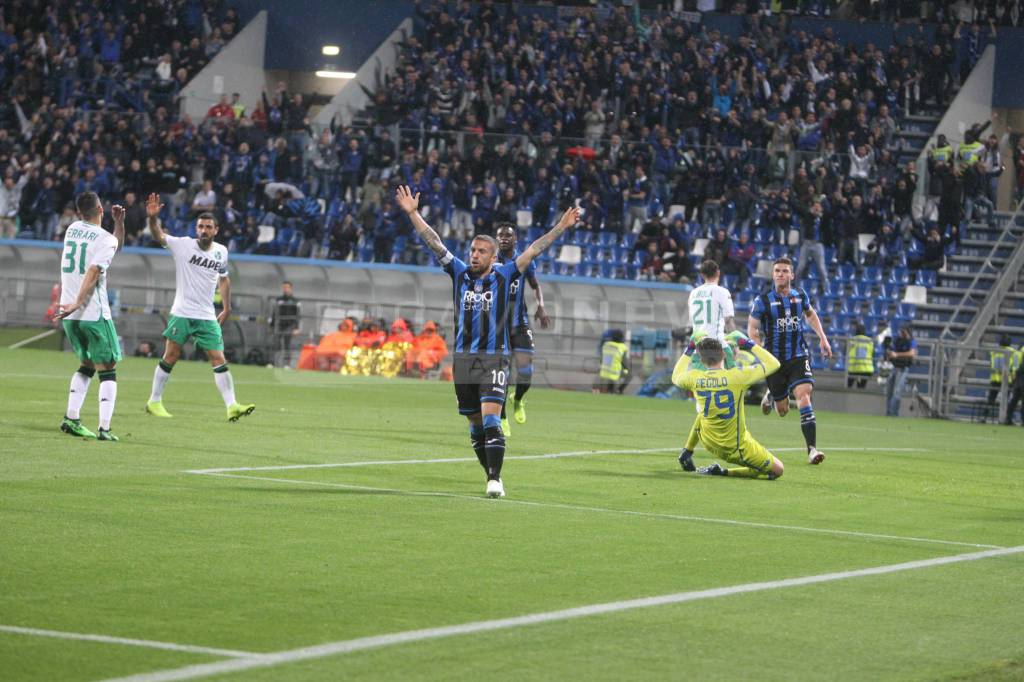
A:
[92,277]
[815,322]
[410,203]
[754,329]
[153,207]
[568,219]
[680,373]
[117,214]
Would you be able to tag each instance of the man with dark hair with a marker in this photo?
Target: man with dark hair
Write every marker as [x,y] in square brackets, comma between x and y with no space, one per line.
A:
[86,257]
[780,316]
[482,295]
[901,354]
[614,373]
[286,323]
[201,269]
[521,333]
[719,393]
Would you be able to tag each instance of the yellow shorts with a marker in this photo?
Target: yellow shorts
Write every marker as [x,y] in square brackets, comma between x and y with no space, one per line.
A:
[750,454]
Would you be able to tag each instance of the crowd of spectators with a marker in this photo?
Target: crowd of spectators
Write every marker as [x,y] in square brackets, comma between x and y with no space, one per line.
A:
[495,113]
[371,348]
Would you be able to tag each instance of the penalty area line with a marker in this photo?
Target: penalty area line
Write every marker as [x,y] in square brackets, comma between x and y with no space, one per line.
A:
[146,643]
[604,510]
[319,651]
[453,460]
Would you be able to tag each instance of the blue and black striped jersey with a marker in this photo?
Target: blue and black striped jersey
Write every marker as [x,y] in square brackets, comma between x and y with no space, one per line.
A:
[782,322]
[520,316]
[483,307]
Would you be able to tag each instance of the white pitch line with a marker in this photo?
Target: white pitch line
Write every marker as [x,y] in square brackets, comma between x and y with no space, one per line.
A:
[193,672]
[604,510]
[553,455]
[149,644]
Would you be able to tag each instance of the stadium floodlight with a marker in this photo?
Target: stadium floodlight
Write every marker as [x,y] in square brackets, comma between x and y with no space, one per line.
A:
[335,74]
[330,50]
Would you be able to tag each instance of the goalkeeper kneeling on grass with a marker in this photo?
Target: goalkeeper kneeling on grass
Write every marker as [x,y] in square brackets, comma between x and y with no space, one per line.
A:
[719,392]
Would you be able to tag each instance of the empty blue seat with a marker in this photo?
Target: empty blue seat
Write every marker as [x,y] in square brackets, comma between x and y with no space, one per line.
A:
[906,311]
[845,272]
[926,278]
[891,291]
[764,235]
[899,275]
[629,240]
[608,270]
[872,273]
[743,300]
[879,306]
[607,238]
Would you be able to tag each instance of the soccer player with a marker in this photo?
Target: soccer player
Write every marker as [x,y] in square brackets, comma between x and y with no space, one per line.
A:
[780,315]
[719,394]
[85,311]
[481,291]
[711,314]
[521,334]
[201,268]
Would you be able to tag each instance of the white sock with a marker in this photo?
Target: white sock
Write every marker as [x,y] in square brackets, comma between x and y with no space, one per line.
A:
[108,396]
[76,394]
[160,377]
[225,384]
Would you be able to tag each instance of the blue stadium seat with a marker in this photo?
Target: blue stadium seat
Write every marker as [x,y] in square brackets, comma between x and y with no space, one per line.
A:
[607,238]
[906,311]
[891,291]
[880,306]
[846,272]
[872,273]
[608,270]
[899,275]
[557,268]
[729,282]
[764,235]
[926,278]
[743,300]
[629,240]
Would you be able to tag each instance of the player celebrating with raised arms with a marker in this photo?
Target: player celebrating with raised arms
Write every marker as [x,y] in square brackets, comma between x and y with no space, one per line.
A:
[719,392]
[201,266]
[87,255]
[780,314]
[481,291]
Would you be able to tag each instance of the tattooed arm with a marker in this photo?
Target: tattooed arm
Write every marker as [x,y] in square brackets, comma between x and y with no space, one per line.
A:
[568,219]
[410,203]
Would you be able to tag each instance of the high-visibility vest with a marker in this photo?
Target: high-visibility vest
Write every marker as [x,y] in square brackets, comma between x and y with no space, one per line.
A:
[969,154]
[942,154]
[997,360]
[612,353]
[860,355]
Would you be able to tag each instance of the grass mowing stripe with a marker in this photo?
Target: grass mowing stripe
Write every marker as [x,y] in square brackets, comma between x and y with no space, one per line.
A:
[147,643]
[553,455]
[624,512]
[193,672]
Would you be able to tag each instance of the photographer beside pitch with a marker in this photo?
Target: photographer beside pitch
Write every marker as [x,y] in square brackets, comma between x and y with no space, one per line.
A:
[719,393]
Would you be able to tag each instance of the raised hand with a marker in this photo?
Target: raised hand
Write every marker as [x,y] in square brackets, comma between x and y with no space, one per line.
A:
[406,200]
[570,217]
[153,205]
[117,213]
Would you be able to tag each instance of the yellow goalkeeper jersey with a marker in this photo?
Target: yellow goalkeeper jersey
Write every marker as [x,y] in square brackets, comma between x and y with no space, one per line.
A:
[719,394]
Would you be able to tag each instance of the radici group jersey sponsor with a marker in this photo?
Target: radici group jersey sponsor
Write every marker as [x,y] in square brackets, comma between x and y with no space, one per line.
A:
[483,307]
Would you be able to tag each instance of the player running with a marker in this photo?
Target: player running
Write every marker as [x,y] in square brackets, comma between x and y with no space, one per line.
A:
[521,334]
[780,314]
[85,311]
[719,393]
[711,314]
[481,291]
[201,267]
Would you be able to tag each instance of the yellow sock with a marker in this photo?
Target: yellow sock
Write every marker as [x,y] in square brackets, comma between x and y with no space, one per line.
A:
[694,437]
[744,472]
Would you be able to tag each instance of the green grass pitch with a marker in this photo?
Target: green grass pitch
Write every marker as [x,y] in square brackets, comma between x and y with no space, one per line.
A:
[117,539]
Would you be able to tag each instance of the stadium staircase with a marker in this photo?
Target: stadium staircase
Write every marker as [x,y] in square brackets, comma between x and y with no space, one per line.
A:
[978,297]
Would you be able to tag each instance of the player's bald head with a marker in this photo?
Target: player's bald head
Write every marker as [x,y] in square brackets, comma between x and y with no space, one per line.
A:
[711,351]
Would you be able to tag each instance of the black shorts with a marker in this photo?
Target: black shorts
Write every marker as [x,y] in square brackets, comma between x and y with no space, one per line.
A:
[480,379]
[792,373]
[522,339]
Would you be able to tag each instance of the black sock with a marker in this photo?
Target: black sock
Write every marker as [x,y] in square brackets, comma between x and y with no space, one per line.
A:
[494,445]
[477,438]
[809,426]
[524,375]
